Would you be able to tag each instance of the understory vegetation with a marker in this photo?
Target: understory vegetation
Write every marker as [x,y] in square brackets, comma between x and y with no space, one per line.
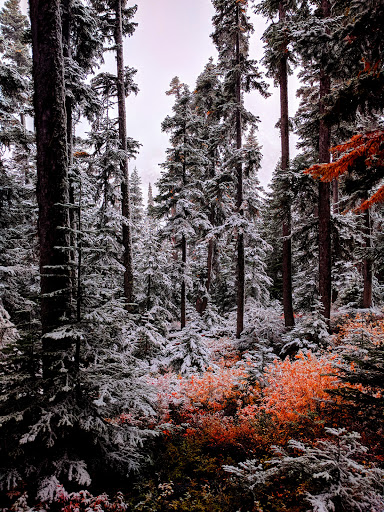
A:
[240,430]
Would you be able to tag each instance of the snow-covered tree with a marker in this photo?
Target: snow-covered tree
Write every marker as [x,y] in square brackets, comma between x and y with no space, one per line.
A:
[232,29]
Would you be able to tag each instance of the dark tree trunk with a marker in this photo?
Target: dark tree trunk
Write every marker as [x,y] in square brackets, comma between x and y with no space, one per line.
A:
[284,133]
[201,304]
[66,30]
[183,291]
[184,243]
[240,267]
[324,194]
[52,178]
[52,162]
[367,264]
[125,196]
[79,258]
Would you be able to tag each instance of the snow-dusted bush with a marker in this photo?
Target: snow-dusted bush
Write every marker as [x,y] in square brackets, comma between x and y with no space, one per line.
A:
[309,333]
[263,325]
[96,408]
[186,351]
[332,472]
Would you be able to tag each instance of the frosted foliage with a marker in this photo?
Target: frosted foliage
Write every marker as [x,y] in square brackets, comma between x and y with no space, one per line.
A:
[187,352]
[310,332]
[10,479]
[8,332]
[48,489]
[266,322]
[338,480]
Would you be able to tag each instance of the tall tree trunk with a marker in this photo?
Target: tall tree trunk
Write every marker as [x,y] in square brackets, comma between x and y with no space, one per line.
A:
[79,257]
[125,199]
[367,264]
[201,304]
[183,290]
[52,173]
[66,30]
[324,193]
[284,133]
[184,242]
[240,267]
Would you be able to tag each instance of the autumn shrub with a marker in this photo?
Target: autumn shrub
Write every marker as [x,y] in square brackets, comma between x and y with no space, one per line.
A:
[296,395]
[300,386]
[360,329]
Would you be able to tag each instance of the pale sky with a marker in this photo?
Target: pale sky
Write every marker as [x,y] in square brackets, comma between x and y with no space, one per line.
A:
[173,38]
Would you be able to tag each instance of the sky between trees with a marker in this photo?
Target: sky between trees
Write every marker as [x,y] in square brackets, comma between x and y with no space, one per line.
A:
[173,38]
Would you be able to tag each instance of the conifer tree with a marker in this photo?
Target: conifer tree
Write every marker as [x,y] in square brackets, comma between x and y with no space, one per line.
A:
[82,50]
[207,100]
[137,205]
[150,201]
[180,185]
[15,74]
[232,29]
[116,23]
[19,258]
[325,286]
[276,58]
[125,199]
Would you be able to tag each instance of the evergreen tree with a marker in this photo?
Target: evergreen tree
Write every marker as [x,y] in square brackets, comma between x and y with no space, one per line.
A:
[150,201]
[18,250]
[277,57]
[207,101]
[137,205]
[116,23]
[231,35]
[180,186]
[15,75]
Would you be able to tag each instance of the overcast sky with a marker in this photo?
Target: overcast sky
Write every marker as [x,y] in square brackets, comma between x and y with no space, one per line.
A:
[173,38]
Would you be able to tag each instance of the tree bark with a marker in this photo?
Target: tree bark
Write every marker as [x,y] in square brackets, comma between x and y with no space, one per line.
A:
[325,283]
[201,304]
[284,133]
[52,162]
[52,183]
[66,31]
[125,196]
[183,291]
[367,264]
[240,267]
[184,241]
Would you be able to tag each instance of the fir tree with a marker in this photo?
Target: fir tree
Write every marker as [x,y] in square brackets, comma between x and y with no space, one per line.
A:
[231,35]
[180,187]
[116,23]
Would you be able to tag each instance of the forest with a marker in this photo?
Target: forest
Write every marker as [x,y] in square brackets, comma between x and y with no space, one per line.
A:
[206,345]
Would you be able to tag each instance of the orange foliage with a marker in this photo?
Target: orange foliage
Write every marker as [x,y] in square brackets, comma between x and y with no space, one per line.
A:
[81,154]
[215,391]
[369,146]
[299,387]
[362,326]
[223,431]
